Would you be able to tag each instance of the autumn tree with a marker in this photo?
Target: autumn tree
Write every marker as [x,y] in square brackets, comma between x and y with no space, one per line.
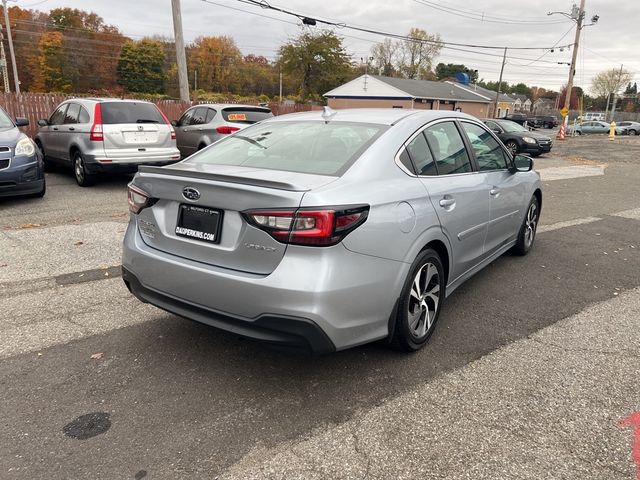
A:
[257,76]
[53,71]
[317,61]
[610,81]
[418,52]
[386,57]
[574,102]
[27,28]
[140,66]
[217,61]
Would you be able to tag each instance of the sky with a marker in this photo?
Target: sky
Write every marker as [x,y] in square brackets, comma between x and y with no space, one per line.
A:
[613,41]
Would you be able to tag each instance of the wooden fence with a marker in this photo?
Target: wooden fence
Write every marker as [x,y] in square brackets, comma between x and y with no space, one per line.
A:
[34,106]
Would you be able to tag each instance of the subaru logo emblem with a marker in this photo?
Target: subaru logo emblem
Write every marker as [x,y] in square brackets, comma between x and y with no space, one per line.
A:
[190,193]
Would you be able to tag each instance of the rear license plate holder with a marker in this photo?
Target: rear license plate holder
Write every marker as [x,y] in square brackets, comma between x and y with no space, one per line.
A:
[199,223]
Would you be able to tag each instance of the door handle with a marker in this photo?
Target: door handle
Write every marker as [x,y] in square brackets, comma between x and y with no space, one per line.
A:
[71,129]
[447,202]
[494,192]
[55,128]
[185,129]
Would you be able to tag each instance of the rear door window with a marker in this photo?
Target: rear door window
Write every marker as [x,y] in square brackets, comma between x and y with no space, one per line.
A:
[72,114]
[245,115]
[421,156]
[84,116]
[305,147]
[210,114]
[130,112]
[448,149]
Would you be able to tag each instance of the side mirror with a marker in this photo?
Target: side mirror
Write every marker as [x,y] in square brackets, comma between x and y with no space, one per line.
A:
[522,163]
[175,123]
[22,122]
[43,122]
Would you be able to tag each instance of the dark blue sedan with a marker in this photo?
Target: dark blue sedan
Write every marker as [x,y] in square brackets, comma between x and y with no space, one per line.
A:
[21,166]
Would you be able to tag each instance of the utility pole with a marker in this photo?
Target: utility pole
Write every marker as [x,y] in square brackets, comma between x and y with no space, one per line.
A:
[280,86]
[11,52]
[495,106]
[3,63]
[181,58]
[615,97]
[572,71]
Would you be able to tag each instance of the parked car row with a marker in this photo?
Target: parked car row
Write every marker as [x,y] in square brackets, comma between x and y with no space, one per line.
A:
[537,121]
[596,127]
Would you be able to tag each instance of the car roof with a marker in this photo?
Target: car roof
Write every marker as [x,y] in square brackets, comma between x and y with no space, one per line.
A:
[229,105]
[107,99]
[381,116]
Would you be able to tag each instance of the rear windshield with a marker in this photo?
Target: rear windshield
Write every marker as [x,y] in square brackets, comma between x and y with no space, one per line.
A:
[130,112]
[245,115]
[305,147]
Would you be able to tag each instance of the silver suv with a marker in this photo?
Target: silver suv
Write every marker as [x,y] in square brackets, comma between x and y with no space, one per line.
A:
[106,135]
[205,124]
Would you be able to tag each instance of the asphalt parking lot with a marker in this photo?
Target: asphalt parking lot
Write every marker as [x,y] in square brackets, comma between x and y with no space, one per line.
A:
[533,365]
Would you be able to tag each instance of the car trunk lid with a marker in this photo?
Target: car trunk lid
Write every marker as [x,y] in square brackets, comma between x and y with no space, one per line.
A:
[223,192]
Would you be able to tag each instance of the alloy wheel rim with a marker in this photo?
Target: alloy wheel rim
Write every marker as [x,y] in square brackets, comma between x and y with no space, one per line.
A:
[79,168]
[531,223]
[424,298]
[513,148]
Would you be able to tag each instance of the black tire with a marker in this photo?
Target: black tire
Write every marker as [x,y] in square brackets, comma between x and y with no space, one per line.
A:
[512,147]
[633,132]
[411,333]
[83,178]
[201,146]
[527,233]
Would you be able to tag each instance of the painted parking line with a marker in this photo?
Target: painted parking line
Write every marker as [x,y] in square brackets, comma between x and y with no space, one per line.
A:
[568,223]
[633,214]
[573,171]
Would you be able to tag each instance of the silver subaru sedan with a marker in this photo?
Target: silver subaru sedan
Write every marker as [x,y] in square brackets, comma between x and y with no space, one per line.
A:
[326,230]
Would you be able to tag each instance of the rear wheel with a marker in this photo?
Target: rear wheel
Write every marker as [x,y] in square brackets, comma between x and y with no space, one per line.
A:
[512,147]
[527,233]
[420,302]
[83,178]
[633,132]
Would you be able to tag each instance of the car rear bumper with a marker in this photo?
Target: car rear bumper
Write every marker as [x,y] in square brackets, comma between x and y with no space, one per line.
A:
[99,162]
[347,296]
[289,332]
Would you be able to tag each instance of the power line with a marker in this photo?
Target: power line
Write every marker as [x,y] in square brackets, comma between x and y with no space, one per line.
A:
[312,20]
[482,17]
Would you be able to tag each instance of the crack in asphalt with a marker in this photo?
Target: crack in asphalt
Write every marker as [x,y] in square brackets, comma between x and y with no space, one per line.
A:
[10,289]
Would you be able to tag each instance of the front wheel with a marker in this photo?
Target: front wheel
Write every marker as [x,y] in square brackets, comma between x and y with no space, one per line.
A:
[83,178]
[527,233]
[633,132]
[512,147]
[420,302]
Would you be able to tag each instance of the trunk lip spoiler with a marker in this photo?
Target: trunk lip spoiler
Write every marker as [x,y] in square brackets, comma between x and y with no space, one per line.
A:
[221,177]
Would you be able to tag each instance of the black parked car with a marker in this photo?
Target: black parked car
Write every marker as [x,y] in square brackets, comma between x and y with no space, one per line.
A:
[519,118]
[546,121]
[21,166]
[519,139]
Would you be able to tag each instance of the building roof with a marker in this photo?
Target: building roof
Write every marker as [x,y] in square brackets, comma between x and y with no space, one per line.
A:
[484,92]
[376,86]
[519,96]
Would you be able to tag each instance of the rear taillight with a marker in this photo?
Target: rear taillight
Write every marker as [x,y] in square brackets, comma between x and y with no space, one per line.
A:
[138,199]
[309,226]
[225,129]
[96,134]
[173,132]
